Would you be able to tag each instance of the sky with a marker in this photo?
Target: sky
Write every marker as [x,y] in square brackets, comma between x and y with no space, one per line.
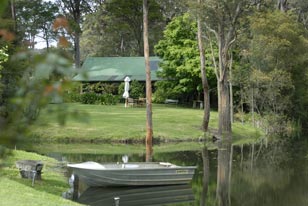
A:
[41,44]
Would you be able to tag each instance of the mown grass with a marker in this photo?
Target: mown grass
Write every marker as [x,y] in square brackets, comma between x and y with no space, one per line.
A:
[17,191]
[114,122]
[102,123]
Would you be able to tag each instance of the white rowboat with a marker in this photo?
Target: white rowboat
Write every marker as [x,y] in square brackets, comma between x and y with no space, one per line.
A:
[132,174]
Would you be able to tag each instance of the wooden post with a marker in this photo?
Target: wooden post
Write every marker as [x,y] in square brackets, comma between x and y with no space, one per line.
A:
[149,124]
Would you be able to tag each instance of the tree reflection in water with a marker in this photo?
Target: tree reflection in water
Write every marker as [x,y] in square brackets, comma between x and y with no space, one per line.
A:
[264,173]
[206,175]
[224,173]
[224,165]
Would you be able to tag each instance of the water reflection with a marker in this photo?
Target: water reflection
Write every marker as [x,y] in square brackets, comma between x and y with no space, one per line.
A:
[134,196]
[206,175]
[224,173]
[261,173]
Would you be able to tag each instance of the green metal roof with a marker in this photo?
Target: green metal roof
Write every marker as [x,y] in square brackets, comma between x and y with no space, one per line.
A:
[116,69]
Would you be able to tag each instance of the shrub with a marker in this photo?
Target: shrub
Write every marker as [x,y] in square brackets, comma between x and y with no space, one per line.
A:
[101,88]
[72,97]
[105,99]
[109,99]
[89,98]
[164,90]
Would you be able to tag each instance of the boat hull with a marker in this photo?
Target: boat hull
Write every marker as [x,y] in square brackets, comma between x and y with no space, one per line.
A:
[134,176]
[132,196]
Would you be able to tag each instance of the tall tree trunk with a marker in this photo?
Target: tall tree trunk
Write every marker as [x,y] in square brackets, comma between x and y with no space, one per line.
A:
[77,17]
[256,3]
[282,5]
[225,35]
[47,40]
[205,85]
[13,12]
[231,88]
[242,103]
[74,8]
[252,110]
[77,49]
[224,123]
[149,124]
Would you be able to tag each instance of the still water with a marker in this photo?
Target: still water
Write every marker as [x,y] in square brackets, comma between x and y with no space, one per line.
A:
[256,174]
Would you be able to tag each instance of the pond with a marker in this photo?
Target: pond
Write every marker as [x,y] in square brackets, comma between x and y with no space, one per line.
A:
[262,173]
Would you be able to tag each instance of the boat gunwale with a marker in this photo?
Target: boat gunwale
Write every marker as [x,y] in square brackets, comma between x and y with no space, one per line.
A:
[163,167]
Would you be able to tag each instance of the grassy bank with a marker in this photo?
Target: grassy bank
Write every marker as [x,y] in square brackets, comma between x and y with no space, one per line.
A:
[17,191]
[116,123]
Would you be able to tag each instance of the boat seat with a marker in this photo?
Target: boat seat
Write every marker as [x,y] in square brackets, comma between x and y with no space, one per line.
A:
[88,165]
[130,166]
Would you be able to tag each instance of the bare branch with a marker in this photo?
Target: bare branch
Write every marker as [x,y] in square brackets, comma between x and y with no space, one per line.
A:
[211,30]
[213,58]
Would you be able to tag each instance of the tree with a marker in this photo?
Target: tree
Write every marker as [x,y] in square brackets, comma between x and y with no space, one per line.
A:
[74,10]
[282,5]
[97,39]
[29,81]
[280,43]
[149,123]
[301,8]
[171,9]
[222,19]
[127,18]
[205,84]
[48,12]
[181,60]
[34,19]
[115,29]
[3,58]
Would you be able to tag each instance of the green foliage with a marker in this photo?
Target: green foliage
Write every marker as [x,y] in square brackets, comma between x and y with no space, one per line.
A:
[101,88]
[89,98]
[116,27]
[72,97]
[94,98]
[280,42]
[3,5]
[165,90]
[33,81]
[137,89]
[3,58]
[271,91]
[180,54]
[93,93]
[109,99]
[35,18]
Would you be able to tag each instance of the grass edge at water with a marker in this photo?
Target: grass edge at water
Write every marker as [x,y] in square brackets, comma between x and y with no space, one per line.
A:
[15,190]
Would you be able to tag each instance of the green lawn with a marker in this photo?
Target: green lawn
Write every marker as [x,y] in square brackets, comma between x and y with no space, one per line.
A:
[17,191]
[104,122]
